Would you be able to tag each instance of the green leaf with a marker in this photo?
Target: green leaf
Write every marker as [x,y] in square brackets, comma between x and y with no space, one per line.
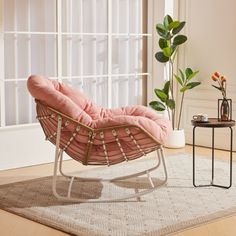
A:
[167,21]
[162,43]
[161,30]
[179,80]
[179,39]
[188,72]
[173,25]
[167,51]
[193,84]
[192,75]
[161,95]
[182,75]
[182,90]
[219,88]
[170,103]
[166,88]
[161,57]
[158,106]
[179,28]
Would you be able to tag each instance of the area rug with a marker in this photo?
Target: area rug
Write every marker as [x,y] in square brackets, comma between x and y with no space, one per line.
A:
[171,208]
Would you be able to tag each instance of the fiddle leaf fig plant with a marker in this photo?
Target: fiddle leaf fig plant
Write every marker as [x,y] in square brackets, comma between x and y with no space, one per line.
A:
[169,43]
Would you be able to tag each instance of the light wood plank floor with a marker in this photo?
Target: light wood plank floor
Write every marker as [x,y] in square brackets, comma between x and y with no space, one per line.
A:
[13,225]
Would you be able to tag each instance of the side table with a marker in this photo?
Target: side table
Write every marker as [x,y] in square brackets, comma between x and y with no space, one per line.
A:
[213,123]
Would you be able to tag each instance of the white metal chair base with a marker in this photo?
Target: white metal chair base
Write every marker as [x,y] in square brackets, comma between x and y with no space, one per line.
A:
[58,166]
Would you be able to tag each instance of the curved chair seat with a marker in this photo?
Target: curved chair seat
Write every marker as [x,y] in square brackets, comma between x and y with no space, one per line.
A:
[91,134]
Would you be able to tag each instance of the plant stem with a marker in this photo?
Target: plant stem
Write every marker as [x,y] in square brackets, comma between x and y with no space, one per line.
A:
[180,111]
[171,79]
[175,53]
[224,88]
[172,86]
[172,91]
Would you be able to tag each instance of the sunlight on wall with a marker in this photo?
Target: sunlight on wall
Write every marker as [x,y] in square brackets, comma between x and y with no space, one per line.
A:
[97,48]
[169,5]
[169,9]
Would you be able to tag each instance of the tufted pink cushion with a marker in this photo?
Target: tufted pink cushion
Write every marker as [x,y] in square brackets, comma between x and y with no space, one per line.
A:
[74,104]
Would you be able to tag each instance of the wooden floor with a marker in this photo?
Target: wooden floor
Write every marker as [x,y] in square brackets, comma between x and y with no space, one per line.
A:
[13,225]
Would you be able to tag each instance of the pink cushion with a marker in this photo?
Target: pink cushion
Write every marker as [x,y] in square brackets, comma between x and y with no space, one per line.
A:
[74,104]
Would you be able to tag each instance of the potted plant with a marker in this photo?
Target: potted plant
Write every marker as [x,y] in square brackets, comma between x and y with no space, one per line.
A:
[225,108]
[169,43]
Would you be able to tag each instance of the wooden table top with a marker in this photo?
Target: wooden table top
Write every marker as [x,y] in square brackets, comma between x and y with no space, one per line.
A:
[213,123]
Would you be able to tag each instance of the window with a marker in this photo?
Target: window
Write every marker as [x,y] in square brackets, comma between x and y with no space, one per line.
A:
[98,46]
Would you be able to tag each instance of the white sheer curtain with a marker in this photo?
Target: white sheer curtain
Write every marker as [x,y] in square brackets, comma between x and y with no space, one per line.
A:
[102,50]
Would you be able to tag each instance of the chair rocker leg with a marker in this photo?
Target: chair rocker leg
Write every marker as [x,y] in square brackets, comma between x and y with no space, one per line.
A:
[71,178]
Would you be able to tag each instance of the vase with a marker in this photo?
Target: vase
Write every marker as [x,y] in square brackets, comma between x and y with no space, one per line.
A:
[224,110]
[176,139]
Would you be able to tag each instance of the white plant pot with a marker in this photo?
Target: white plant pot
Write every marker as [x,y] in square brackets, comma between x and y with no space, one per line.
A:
[176,139]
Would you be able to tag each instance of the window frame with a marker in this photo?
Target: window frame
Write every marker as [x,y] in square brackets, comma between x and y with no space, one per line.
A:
[146,75]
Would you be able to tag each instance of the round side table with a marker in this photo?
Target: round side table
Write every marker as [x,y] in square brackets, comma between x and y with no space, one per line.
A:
[214,123]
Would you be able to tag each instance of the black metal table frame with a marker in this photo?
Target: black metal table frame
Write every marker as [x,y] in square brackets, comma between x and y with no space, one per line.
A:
[213,159]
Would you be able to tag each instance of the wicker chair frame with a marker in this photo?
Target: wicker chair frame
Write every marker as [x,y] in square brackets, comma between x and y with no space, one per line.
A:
[47,115]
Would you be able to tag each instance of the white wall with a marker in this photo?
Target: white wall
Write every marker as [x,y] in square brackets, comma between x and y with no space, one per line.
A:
[157,76]
[24,146]
[211,47]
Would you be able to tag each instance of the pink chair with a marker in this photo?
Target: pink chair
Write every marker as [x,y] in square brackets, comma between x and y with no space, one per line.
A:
[93,135]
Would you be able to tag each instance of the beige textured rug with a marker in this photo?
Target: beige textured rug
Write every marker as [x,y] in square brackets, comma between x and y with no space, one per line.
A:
[171,208]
